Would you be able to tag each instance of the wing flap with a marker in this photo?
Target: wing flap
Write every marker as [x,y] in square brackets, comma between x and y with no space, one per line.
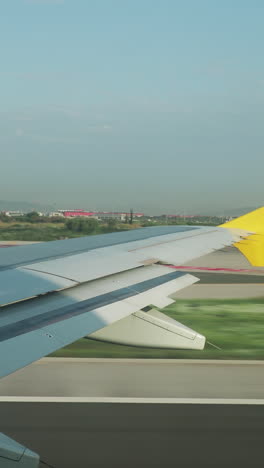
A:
[150,329]
[45,324]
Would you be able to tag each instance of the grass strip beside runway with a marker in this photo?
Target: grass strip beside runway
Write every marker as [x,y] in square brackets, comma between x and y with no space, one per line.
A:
[235,325]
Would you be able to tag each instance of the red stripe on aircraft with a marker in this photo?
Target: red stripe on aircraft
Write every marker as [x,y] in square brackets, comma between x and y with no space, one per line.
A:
[235,270]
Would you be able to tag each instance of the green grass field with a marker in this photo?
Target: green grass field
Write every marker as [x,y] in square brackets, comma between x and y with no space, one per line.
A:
[35,232]
[44,232]
[236,326]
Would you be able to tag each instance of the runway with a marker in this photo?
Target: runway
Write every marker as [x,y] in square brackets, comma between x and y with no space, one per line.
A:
[228,257]
[246,282]
[194,430]
[140,378]
[139,435]
[185,427]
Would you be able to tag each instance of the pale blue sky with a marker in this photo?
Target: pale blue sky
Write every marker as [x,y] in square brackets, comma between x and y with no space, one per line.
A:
[155,104]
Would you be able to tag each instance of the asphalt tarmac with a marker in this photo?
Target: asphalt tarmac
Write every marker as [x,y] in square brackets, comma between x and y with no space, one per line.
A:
[139,435]
[228,257]
[238,279]
[137,378]
[226,278]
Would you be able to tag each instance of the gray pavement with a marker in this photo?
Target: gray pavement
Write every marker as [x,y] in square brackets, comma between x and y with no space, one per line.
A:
[228,257]
[221,291]
[224,284]
[139,435]
[227,278]
[141,378]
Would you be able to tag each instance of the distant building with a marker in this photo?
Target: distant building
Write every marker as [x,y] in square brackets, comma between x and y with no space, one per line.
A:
[72,213]
[119,216]
[17,213]
[14,214]
[55,214]
[179,216]
[79,214]
[101,215]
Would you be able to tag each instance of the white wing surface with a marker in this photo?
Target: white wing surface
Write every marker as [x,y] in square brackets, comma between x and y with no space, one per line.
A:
[53,293]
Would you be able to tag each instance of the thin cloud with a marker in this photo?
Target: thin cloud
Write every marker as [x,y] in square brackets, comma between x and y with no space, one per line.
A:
[52,139]
[69,112]
[99,128]
[30,75]
[19,132]
[16,116]
[22,118]
[44,2]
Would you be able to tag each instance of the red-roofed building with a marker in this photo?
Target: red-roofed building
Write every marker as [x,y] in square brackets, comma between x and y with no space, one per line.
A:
[79,213]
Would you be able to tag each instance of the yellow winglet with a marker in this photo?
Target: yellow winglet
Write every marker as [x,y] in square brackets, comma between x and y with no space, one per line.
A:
[252,246]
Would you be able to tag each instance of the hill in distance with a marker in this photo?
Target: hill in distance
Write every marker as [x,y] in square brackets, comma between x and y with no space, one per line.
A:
[8,205]
[239,211]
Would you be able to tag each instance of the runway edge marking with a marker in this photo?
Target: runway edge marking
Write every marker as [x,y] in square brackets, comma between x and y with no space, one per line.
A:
[179,401]
[74,360]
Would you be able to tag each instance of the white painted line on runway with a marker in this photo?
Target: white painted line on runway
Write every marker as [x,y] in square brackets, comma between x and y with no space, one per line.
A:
[177,401]
[69,360]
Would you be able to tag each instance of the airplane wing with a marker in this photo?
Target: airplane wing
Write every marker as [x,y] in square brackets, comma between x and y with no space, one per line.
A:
[104,286]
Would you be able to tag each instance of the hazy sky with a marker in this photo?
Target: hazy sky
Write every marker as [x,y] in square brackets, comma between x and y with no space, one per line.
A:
[151,104]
